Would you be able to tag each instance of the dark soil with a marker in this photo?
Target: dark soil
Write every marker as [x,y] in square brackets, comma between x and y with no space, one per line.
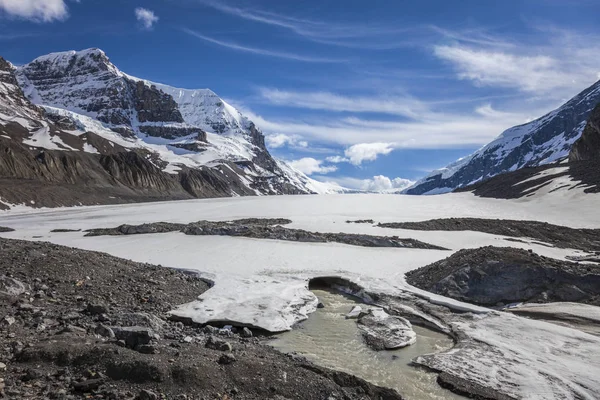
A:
[263,229]
[559,236]
[4,229]
[62,308]
[501,275]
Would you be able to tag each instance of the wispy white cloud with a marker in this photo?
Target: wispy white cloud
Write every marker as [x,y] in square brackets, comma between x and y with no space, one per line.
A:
[403,106]
[337,159]
[146,17]
[431,130]
[259,51]
[309,166]
[560,66]
[378,183]
[359,153]
[36,10]
[353,35]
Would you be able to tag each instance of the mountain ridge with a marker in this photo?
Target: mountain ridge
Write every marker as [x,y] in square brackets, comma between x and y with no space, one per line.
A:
[85,93]
[539,142]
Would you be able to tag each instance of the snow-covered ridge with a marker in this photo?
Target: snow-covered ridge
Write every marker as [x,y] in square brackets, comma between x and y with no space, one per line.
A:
[184,127]
[542,141]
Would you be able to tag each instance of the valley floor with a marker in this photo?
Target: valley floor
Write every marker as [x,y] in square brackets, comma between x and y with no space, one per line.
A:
[263,283]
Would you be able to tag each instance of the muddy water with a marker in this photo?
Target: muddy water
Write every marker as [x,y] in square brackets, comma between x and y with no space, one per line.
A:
[330,340]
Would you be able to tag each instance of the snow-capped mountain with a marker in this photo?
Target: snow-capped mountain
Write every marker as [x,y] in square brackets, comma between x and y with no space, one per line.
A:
[182,129]
[543,141]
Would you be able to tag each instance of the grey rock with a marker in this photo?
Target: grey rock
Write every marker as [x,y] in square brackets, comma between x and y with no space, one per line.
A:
[245,332]
[146,395]
[96,309]
[140,319]
[105,331]
[218,344]
[134,335]
[11,287]
[227,358]
[7,321]
[74,329]
[385,332]
[147,349]
[88,385]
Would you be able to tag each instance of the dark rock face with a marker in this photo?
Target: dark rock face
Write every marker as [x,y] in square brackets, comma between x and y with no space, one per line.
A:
[492,275]
[587,147]
[539,142]
[87,81]
[153,105]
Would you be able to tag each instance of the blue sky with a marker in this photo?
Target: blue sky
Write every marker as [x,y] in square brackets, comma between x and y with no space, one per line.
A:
[367,94]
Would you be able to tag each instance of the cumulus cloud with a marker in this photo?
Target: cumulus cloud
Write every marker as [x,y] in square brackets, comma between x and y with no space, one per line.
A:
[378,183]
[309,166]
[281,140]
[361,152]
[36,10]
[146,17]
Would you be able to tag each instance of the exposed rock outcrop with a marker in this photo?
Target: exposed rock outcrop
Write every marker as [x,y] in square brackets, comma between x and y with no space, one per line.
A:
[501,275]
[586,239]
[262,230]
[587,147]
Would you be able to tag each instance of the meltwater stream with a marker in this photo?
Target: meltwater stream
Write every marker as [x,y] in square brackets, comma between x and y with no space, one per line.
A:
[329,339]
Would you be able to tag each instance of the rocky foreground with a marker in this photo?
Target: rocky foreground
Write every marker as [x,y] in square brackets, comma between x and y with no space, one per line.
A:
[80,324]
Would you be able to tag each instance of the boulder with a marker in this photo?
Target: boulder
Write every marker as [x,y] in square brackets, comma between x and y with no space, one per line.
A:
[382,331]
[11,287]
[134,336]
[218,344]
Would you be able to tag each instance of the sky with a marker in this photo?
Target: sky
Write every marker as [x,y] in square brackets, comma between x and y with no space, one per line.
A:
[370,95]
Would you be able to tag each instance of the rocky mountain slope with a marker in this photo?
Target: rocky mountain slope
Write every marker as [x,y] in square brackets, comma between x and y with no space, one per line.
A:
[587,147]
[71,124]
[540,142]
[581,171]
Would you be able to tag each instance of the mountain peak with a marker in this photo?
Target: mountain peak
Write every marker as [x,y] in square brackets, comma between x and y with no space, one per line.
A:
[76,62]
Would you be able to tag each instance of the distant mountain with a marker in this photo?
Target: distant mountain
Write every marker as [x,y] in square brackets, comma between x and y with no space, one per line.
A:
[536,143]
[79,102]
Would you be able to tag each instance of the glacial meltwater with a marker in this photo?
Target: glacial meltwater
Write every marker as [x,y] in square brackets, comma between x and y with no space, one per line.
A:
[329,339]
